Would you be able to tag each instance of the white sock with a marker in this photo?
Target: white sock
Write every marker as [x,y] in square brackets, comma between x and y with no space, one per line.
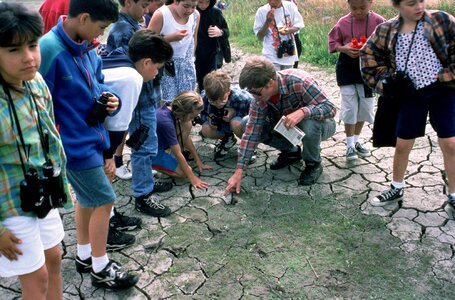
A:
[398,185]
[452,195]
[350,141]
[84,251]
[99,263]
[356,139]
[112,212]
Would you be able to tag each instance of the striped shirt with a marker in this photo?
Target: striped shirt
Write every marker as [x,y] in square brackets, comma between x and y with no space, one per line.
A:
[11,173]
[378,56]
[297,90]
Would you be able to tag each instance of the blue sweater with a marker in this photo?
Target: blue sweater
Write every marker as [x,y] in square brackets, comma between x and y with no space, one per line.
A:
[73,73]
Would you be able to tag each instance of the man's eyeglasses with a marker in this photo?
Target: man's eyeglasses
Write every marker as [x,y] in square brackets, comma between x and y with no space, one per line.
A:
[255,93]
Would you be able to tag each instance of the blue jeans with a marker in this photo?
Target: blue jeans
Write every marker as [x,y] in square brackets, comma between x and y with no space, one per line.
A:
[315,132]
[141,160]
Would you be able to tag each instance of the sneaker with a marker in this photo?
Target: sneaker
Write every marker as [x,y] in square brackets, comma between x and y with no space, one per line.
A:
[451,201]
[223,146]
[253,158]
[229,141]
[351,154]
[112,277]
[361,150]
[310,174]
[161,187]
[286,158]
[123,173]
[389,196]
[149,205]
[117,240]
[124,223]
[83,266]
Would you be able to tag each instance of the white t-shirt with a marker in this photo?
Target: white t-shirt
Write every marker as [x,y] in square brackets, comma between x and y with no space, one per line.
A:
[170,26]
[287,15]
[126,83]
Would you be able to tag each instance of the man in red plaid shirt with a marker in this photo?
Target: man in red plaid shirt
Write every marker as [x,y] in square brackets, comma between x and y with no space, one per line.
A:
[291,93]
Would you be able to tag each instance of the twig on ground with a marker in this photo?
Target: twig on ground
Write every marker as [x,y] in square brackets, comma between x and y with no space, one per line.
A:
[311,266]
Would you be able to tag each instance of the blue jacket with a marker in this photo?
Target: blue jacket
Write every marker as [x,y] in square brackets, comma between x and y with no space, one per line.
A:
[73,73]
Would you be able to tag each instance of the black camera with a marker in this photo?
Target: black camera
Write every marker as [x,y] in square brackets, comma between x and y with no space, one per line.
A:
[398,85]
[98,113]
[285,47]
[41,194]
[216,116]
[138,137]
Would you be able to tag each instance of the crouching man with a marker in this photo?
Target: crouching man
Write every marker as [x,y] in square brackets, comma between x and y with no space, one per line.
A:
[291,93]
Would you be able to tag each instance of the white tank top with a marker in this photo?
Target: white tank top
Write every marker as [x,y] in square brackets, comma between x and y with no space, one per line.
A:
[170,26]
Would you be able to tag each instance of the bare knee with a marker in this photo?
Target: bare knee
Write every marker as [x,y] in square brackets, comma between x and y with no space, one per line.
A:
[53,260]
[34,285]
[403,146]
[447,146]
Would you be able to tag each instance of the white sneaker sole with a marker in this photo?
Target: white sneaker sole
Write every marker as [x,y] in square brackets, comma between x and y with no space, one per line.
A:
[375,202]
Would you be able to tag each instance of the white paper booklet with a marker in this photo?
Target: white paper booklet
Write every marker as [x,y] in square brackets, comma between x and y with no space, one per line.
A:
[293,135]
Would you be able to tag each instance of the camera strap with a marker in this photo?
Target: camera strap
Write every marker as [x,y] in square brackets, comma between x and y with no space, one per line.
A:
[410,47]
[366,26]
[285,23]
[12,111]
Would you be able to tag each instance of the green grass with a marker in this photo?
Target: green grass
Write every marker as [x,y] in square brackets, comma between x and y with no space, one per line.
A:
[319,17]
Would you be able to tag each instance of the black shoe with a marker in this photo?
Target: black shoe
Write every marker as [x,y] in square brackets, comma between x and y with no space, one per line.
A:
[223,146]
[83,266]
[112,277]
[161,187]
[149,205]
[286,158]
[451,201]
[311,174]
[124,223]
[117,240]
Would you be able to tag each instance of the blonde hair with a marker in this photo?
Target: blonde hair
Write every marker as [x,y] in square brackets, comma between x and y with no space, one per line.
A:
[216,84]
[257,72]
[186,103]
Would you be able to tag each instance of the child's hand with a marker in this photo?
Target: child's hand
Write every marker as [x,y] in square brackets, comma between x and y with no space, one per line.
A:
[201,166]
[179,35]
[229,115]
[197,183]
[109,168]
[349,50]
[270,15]
[214,31]
[112,104]
[8,246]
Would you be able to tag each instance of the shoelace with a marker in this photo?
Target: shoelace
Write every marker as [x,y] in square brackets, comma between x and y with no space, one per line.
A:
[389,193]
[115,271]
[152,202]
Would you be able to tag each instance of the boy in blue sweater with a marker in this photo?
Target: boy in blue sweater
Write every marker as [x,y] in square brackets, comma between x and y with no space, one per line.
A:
[143,184]
[72,71]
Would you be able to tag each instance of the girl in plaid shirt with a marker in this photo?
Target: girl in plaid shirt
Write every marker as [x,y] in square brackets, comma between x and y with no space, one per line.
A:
[411,60]
[29,246]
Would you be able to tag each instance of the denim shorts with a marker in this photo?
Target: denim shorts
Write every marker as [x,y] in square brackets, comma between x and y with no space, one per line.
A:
[436,100]
[37,235]
[165,162]
[92,187]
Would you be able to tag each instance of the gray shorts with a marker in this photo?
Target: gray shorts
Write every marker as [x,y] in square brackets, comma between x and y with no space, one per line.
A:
[354,106]
[92,187]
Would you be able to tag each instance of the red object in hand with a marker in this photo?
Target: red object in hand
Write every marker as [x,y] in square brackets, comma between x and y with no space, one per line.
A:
[356,44]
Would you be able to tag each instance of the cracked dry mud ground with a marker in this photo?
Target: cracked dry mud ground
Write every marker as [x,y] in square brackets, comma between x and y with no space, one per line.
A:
[283,241]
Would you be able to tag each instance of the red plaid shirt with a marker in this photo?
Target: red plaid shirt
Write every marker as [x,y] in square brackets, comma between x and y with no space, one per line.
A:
[297,89]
